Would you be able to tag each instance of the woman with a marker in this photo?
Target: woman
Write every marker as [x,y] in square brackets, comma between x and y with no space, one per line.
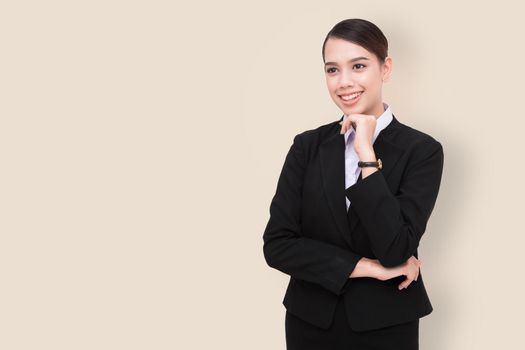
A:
[351,205]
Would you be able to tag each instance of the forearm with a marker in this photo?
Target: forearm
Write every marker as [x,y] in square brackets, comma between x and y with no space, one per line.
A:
[395,222]
[307,259]
[368,156]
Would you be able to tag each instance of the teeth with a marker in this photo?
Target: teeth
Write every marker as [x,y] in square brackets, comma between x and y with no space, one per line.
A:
[351,97]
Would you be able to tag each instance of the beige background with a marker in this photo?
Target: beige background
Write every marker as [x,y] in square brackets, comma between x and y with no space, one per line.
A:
[141,142]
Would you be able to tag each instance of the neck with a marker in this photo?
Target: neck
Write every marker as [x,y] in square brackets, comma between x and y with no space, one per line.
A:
[378,110]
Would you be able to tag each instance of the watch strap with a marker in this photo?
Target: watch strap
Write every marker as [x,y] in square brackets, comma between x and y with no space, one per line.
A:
[377,164]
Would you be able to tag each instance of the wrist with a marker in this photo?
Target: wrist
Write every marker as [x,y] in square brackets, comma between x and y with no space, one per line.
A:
[365,152]
[375,268]
[364,268]
[367,171]
[367,155]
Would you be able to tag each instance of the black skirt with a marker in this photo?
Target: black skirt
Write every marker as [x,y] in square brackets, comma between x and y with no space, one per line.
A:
[301,335]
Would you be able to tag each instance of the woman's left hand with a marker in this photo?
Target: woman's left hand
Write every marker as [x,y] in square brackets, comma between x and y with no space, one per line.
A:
[365,126]
[409,268]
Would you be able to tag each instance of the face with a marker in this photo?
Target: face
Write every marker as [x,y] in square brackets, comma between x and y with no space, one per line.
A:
[351,68]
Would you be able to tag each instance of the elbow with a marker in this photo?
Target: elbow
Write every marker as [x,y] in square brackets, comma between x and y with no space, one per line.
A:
[275,246]
[277,252]
[270,252]
[394,256]
[399,250]
[268,256]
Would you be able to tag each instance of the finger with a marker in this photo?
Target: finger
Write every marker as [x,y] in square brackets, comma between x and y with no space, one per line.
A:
[356,116]
[344,126]
[352,120]
[405,283]
[352,117]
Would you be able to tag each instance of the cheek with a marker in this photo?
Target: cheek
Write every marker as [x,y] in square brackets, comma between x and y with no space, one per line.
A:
[331,84]
[370,81]
[364,81]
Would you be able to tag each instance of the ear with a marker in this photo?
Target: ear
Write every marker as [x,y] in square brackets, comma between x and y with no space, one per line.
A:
[387,69]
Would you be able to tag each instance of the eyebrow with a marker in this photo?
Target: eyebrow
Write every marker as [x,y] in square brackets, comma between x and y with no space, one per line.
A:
[352,60]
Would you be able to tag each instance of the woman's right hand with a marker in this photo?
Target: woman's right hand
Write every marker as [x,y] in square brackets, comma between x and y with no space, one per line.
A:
[409,268]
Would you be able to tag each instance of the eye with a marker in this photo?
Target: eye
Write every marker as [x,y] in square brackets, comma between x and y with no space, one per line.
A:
[359,64]
[329,70]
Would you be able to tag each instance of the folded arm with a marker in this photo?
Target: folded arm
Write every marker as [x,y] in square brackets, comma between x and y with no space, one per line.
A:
[286,250]
[396,223]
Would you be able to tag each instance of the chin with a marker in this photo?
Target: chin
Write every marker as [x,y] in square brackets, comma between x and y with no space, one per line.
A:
[352,110]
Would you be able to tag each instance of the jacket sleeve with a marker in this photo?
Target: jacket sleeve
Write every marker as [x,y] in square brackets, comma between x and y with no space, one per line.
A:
[396,223]
[286,250]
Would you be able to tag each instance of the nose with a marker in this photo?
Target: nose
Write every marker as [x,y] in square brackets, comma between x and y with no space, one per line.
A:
[345,80]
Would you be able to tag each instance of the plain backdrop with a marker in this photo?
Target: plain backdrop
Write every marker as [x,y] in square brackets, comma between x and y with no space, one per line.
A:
[141,143]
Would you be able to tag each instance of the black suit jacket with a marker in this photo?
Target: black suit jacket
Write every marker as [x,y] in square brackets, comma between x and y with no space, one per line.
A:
[311,237]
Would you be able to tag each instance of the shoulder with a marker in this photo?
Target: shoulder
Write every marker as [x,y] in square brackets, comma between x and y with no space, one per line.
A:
[313,137]
[418,143]
[307,143]
[408,137]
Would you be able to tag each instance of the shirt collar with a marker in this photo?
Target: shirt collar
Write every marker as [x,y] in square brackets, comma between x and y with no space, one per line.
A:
[381,122]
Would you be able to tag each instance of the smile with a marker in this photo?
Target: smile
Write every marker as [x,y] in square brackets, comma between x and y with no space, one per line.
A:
[351,98]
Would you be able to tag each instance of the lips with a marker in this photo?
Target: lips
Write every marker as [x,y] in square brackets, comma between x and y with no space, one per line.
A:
[352,94]
[356,96]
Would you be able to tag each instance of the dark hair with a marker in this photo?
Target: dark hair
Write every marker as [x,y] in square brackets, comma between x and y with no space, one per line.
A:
[363,33]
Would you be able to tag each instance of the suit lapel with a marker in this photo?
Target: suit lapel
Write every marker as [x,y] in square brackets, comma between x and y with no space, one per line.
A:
[332,157]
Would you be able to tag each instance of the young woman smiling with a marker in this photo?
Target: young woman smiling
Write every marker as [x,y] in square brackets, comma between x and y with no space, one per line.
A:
[355,280]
